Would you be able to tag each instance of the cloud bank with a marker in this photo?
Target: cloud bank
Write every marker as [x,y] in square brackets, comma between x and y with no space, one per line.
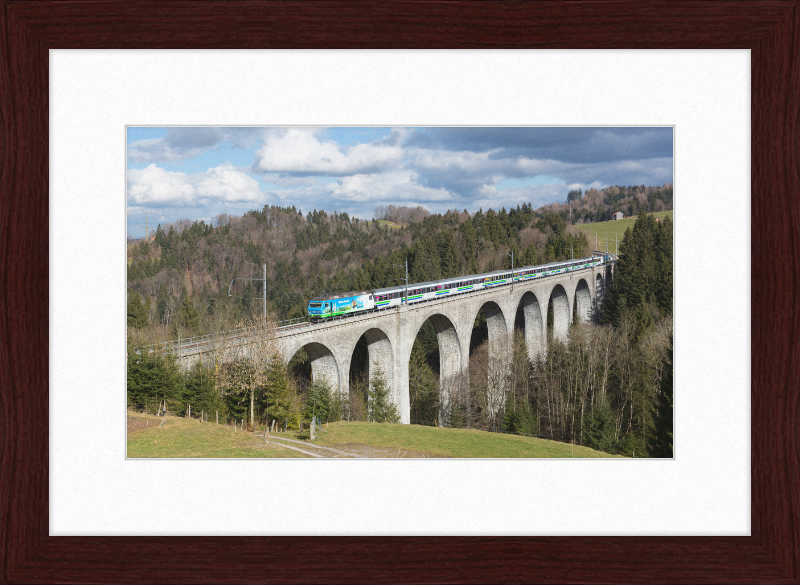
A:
[357,169]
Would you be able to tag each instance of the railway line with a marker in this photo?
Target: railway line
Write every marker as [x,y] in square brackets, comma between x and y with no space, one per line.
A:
[193,345]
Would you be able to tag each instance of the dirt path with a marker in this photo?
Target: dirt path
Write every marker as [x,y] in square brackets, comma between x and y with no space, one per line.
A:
[354,450]
[312,445]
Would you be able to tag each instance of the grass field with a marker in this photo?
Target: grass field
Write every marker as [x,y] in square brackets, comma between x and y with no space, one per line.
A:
[608,229]
[180,437]
[442,442]
[391,224]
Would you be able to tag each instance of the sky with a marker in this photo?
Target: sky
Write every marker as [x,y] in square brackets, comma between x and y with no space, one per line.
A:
[199,172]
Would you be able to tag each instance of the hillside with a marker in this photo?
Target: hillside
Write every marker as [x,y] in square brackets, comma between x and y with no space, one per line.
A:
[448,442]
[611,231]
[183,277]
[180,437]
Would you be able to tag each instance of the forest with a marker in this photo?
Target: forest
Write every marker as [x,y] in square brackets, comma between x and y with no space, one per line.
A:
[609,386]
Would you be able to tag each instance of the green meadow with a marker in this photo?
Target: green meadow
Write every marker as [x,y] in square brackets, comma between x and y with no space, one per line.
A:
[612,230]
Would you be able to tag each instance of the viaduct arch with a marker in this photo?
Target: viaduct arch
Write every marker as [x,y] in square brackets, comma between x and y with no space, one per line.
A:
[390,334]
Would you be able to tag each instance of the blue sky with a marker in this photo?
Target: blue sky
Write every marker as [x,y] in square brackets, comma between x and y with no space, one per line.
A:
[200,172]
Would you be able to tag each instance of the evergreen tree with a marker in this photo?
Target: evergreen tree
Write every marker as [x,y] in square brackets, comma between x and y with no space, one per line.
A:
[199,390]
[509,422]
[423,386]
[188,316]
[638,275]
[380,407]
[660,444]
[318,401]
[137,311]
[664,264]
[153,378]
[276,400]
[447,249]
[601,432]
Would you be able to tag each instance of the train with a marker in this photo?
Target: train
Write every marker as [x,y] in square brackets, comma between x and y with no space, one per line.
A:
[338,305]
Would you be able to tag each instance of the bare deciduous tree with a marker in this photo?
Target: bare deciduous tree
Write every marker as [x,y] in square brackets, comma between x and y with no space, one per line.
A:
[246,360]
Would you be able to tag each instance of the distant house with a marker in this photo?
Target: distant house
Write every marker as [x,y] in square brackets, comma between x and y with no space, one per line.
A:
[618,215]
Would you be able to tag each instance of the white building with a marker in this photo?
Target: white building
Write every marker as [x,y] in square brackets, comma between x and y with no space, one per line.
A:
[618,215]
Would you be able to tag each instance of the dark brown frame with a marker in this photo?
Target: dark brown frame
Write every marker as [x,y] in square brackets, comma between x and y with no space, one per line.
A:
[771,29]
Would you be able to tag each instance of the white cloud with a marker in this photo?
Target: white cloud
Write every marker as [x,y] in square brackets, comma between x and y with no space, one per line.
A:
[390,187]
[157,187]
[225,183]
[154,185]
[298,150]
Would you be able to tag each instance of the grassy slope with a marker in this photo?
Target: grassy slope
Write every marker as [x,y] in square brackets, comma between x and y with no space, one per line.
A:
[607,229]
[441,442]
[181,437]
[391,224]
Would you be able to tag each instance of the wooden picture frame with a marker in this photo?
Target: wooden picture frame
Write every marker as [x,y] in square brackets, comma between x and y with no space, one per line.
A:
[770,29]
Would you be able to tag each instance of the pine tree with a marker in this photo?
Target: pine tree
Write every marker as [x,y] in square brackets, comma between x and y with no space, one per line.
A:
[509,422]
[276,399]
[423,387]
[318,401]
[188,316]
[660,444]
[199,390]
[664,264]
[380,408]
[153,378]
[601,432]
[137,311]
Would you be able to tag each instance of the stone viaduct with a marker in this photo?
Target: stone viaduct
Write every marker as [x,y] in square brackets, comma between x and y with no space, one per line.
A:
[390,333]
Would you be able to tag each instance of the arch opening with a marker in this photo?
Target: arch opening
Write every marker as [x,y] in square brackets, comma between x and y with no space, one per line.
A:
[489,363]
[558,315]
[435,372]
[599,291]
[313,361]
[583,302]
[530,321]
[372,357]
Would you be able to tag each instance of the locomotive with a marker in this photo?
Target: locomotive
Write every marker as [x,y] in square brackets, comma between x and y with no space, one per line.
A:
[337,305]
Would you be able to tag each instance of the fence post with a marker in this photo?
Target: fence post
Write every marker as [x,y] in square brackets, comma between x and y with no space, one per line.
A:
[217,413]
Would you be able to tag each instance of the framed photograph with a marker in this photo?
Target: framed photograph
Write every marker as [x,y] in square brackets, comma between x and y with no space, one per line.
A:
[33,35]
